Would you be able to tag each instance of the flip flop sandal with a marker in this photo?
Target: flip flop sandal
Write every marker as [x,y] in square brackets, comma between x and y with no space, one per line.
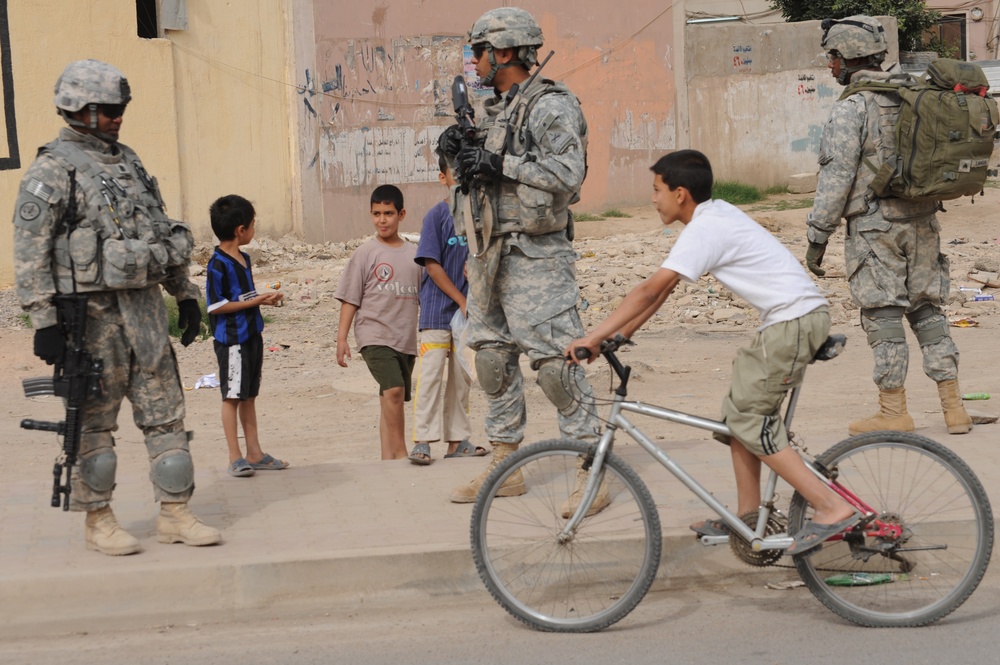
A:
[268,463]
[813,535]
[466,449]
[420,449]
[240,469]
[710,527]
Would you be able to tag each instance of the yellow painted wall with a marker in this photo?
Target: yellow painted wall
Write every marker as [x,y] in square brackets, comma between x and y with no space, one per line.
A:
[235,119]
[42,45]
[212,110]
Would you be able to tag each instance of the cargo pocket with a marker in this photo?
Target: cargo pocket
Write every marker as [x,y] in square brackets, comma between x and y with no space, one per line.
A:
[83,252]
[535,210]
[179,244]
[158,261]
[126,262]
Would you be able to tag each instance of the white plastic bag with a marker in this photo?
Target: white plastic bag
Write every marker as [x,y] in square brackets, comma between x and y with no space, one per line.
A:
[459,335]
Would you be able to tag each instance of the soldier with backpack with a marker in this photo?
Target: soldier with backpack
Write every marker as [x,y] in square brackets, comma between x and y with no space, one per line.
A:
[893,257]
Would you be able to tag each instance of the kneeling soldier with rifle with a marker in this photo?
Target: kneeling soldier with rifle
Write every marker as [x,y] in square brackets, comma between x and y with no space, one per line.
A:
[92,246]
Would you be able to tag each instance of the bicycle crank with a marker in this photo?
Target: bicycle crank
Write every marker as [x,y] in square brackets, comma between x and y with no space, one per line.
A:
[776,523]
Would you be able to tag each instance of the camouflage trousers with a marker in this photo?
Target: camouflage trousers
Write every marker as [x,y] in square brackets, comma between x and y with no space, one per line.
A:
[532,311]
[900,264]
[128,331]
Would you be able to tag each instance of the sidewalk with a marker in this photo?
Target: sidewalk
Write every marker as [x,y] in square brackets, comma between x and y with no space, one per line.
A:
[324,534]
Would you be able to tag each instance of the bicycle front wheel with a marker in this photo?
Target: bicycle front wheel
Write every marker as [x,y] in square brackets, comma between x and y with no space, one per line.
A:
[580,583]
[928,550]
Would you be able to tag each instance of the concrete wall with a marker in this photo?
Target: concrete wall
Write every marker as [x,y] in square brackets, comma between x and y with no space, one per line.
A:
[305,106]
[758,97]
[376,94]
[235,125]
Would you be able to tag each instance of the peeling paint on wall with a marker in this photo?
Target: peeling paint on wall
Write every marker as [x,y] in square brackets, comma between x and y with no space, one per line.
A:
[369,156]
[643,131]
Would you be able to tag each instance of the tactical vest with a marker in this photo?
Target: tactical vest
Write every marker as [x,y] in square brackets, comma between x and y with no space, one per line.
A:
[883,110]
[519,207]
[123,239]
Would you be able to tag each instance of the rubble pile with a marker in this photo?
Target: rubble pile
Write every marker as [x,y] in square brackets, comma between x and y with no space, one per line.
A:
[607,268]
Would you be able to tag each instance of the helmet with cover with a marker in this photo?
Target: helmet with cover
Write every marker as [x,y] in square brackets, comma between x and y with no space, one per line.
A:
[87,83]
[503,28]
[854,38]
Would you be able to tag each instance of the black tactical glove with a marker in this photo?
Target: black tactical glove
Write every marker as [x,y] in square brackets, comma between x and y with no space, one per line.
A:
[189,320]
[473,160]
[450,141]
[49,344]
[814,258]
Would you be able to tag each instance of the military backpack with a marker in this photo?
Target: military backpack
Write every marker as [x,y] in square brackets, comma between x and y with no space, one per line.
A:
[944,134]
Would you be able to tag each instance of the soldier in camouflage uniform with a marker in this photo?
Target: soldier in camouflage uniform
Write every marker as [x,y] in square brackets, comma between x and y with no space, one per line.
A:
[528,165]
[114,243]
[895,267]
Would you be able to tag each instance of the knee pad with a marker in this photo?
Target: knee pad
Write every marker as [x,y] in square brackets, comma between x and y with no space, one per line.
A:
[97,469]
[928,324]
[173,471]
[494,368]
[555,381]
[883,324]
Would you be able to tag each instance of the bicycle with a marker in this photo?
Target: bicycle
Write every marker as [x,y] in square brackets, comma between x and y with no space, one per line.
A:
[919,551]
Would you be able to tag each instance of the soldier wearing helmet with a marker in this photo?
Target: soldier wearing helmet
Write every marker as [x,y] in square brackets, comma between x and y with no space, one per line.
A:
[90,220]
[523,171]
[892,247]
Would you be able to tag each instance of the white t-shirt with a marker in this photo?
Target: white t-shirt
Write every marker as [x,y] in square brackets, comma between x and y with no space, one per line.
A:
[721,239]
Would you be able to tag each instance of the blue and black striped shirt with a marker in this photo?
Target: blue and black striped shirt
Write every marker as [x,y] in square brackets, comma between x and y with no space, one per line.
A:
[228,281]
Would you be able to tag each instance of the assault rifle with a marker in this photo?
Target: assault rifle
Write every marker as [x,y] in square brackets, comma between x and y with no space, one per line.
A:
[77,377]
[465,115]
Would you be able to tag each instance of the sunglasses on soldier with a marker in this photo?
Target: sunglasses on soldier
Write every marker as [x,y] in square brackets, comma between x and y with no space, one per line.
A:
[479,49]
[111,111]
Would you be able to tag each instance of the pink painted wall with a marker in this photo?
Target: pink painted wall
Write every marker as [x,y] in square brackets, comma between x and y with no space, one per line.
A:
[375,94]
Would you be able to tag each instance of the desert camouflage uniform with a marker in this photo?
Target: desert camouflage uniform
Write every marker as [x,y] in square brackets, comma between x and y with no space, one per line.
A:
[892,247]
[127,326]
[523,290]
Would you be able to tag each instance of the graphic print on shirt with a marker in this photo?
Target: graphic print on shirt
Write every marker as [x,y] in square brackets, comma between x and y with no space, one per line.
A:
[384,274]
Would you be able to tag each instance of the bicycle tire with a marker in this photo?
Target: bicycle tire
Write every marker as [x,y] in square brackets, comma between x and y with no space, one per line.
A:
[583,585]
[940,504]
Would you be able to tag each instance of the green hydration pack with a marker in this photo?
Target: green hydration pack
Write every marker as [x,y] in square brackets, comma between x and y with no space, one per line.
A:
[944,134]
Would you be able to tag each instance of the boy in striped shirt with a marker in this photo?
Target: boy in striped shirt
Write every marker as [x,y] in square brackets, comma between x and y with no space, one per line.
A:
[236,323]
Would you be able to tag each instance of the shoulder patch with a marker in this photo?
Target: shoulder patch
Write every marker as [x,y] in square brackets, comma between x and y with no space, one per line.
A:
[39,189]
[558,140]
[29,210]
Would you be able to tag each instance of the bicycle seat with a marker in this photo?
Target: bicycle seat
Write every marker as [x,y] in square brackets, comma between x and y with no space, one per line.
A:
[831,348]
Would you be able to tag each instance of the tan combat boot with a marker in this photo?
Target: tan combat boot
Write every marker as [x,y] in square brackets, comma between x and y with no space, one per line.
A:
[601,501]
[513,486]
[956,417]
[104,534]
[177,524]
[892,414]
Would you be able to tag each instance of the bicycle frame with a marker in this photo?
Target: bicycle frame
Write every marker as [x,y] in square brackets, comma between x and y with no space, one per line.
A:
[616,420]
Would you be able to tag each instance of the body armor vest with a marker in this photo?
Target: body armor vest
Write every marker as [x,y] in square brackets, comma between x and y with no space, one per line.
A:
[123,238]
[521,208]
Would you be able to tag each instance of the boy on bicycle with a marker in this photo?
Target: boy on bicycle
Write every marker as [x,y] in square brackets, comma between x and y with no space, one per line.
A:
[719,238]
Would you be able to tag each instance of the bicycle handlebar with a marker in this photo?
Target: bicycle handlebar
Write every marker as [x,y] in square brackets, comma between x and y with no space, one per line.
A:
[607,346]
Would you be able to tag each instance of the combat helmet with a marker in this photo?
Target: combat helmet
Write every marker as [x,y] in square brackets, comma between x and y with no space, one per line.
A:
[507,27]
[87,83]
[852,38]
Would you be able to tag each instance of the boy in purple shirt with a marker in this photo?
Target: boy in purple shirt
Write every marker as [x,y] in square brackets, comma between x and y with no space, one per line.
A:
[443,291]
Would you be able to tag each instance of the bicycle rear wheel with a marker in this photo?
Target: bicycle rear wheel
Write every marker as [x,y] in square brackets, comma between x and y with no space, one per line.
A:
[581,584]
[943,547]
